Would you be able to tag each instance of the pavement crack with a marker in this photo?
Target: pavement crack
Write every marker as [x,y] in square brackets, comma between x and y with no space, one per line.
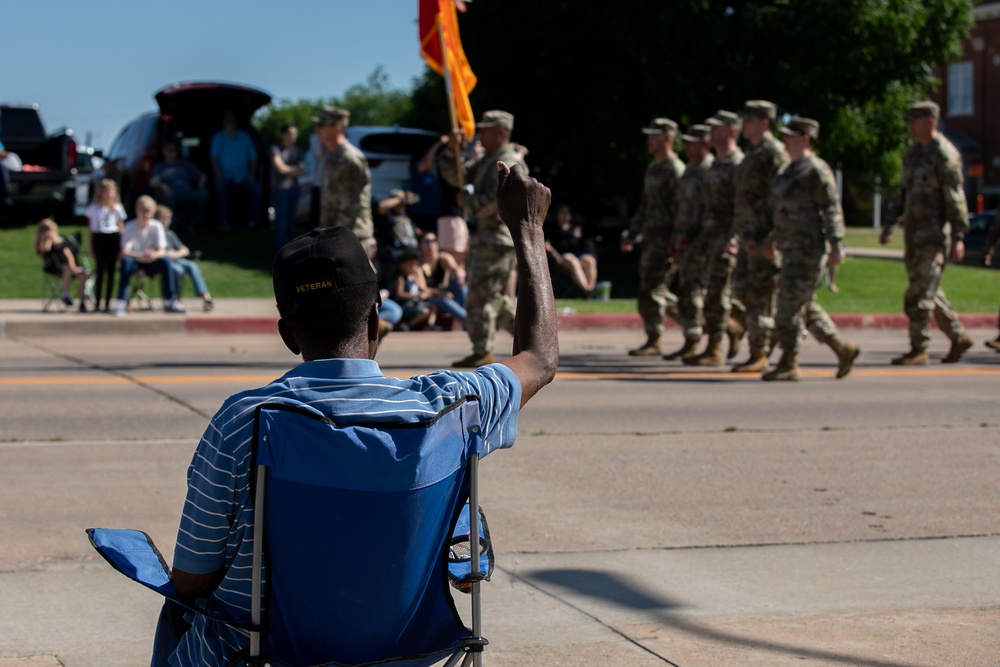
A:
[116,373]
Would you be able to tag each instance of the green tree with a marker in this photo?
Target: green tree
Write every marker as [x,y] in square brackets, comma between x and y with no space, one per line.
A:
[370,103]
[581,82]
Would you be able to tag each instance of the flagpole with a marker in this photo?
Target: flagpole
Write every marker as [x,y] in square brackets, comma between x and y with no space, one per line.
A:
[451,101]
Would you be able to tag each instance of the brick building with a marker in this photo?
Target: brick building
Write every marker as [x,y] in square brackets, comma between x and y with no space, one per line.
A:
[970,104]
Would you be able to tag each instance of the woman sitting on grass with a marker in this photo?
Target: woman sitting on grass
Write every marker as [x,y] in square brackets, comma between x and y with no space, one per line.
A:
[59,259]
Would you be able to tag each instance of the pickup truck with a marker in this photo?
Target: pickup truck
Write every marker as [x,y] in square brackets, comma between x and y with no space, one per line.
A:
[45,182]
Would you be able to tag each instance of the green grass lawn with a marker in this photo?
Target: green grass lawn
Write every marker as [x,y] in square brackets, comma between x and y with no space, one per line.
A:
[238,264]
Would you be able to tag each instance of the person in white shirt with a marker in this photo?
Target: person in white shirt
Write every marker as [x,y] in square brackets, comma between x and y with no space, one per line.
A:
[144,248]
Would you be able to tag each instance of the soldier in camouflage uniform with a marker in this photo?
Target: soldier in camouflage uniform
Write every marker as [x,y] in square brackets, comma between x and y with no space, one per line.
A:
[756,276]
[652,226]
[718,241]
[346,189]
[688,243]
[935,219]
[992,236]
[808,229]
[490,261]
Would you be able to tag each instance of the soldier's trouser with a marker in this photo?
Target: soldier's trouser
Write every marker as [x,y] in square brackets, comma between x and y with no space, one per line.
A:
[489,268]
[719,288]
[801,276]
[691,288]
[655,300]
[924,267]
[756,286]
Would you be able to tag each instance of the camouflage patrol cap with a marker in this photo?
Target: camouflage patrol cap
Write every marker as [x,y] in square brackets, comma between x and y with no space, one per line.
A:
[497,118]
[923,109]
[801,126]
[697,133]
[759,109]
[331,116]
[727,118]
[660,126]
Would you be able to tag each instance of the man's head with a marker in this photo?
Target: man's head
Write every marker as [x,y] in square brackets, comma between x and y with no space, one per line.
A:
[289,134]
[170,151]
[327,294]
[758,117]
[494,129]
[331,126]
[229,122]
[660,135]
[165,215]
[145,207]
[922,117]
[696,142]
[798,134]
[725,126]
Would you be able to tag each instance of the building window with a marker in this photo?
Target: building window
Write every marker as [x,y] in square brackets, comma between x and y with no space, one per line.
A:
[960,89]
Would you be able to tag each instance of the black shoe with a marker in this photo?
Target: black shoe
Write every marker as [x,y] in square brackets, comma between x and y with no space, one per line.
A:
[66,299]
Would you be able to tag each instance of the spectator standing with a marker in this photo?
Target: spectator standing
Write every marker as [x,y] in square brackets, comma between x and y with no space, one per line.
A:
[653,226]
[180,185]
[4,177]
[934,215]
[105,224]
[234,160]
[346,191]
[491,259]
[181,261]
[144,248]
[287,166]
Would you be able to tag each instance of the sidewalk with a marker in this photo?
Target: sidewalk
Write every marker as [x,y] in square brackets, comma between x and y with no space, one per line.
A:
[24,317]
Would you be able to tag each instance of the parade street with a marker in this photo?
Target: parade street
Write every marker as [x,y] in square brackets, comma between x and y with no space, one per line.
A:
[649,513]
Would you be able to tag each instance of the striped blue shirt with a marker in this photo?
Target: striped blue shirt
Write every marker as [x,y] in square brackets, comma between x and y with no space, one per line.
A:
[216,533]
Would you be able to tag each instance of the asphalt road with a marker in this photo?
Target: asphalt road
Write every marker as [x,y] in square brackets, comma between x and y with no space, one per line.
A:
[648,514]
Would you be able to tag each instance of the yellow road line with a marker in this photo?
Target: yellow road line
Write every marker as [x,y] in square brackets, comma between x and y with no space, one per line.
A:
[721,374]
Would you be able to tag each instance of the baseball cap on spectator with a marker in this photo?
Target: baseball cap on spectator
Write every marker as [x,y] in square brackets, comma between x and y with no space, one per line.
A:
[314,266]
[497,118]
[759,109]
[660,126]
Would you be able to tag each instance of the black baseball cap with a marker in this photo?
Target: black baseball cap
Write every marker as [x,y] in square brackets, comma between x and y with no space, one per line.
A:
[312,267]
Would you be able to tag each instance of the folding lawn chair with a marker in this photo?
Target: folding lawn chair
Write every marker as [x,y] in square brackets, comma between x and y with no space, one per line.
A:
[363,530]
[52,284]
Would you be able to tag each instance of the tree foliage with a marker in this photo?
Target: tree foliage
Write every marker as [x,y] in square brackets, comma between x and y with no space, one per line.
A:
[370,103]
[582,80]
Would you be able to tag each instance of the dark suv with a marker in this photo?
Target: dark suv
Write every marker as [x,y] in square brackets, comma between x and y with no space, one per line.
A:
[189,114]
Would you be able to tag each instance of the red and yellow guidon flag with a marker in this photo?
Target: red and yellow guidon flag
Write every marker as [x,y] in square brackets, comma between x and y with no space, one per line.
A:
[435,14]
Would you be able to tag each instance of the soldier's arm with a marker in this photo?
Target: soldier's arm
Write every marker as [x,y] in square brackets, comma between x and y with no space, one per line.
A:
[352,182]
[824,195]
[956,208]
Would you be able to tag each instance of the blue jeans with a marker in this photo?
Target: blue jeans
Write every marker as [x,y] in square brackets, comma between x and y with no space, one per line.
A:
[249,190]
[390,311]
[191,268]
[450,306]
[286,201]
[161,266]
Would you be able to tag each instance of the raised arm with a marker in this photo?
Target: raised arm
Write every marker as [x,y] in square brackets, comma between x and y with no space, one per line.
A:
[522,203]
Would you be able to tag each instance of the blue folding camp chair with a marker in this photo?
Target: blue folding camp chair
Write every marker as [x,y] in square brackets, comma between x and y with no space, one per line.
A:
[364,531]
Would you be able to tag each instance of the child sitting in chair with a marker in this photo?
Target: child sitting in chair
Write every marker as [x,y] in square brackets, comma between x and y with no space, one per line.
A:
[59,259]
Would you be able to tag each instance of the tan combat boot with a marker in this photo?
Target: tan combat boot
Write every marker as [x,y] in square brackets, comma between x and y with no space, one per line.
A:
[847,352]
[687,351]
[914,357]
[994,344]
[653,347]
[787,370]
[958,348]
[735,331]
[474,360]
[712,356]
[757,363]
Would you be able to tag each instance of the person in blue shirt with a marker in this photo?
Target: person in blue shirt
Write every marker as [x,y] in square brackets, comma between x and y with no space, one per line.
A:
[180,185]
[327,297]
[234,161]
